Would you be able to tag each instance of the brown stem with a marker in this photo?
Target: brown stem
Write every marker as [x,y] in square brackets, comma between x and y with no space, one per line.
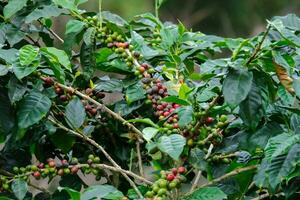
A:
[225,176]
[263,196]
[196,180]
[230,174]
[98,146]
[103,107]
[52,32]
[258,47]
[210,105]
[112,168]
[138,150]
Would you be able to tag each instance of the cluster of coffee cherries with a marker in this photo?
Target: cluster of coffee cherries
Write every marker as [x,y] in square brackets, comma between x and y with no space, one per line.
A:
[4,183]
[52,168]
[156,91]
[168,181]
[94,94]
[156,38]
[116,42]
[61,94]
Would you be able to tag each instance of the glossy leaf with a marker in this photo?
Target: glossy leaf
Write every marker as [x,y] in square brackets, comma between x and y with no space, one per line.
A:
[208,193]
[27,54]
[172,145]
[13,7]
[101,191]
[75,113]
[33,108]
[149,133]
[20,188]
[236,86]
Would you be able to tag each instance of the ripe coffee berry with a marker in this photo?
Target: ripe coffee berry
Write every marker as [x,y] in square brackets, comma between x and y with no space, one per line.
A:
[209,120]
[170,177]
[37,175]
[181,170]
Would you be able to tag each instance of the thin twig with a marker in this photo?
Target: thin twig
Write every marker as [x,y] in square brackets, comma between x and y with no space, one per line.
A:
[138,150]
[263,196]
[211,146]
[98,146]
[103,166]
[52,32]
[258,47]
[226,176]
[103,107]
[230,174]
[196,181]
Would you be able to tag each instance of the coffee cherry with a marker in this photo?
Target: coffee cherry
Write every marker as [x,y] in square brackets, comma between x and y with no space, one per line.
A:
[190,142]
[163,183]
[174,171]
[34,168]
[74,169]
[209,120]
[100,95]
[93,111]
[67,171]
[89,161]
[170,177]
[41,166]
[60,172]
[59,91]
[181,170]
[162,191]
[64,163]
[172,185]
[52,164]
[96,159]
[63,98]
[37,175]
[16,169]
[223,118]
[48,81]
[74,161]
[89,91]
[149,194]
[88,107]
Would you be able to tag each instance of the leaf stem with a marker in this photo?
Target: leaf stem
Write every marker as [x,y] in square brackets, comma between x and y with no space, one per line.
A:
[98,146]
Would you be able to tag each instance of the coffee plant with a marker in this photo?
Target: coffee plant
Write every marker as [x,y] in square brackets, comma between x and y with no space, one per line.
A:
[144,109]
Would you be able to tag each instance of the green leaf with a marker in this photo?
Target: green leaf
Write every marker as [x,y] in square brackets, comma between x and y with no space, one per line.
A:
[75,113]
[68,4]
[251,109]
[207,193]
[236,86]
[3,70]
[135,92]
[46,12]
[101,191]
[175,99]
[112,85]
[13,7]
[184,90]
[9,55]
[279,59]
[27,54]
[295,123]
[58,55]
[74,27]
[22,71]
[197,159]
[149,133]
[65,144]
[113,18]
[16,89]
[185,115]
[280,144]
[145,121]
[75,195]
[89,36]
[20,188]
[172,145]
[283,165]
[32,109]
